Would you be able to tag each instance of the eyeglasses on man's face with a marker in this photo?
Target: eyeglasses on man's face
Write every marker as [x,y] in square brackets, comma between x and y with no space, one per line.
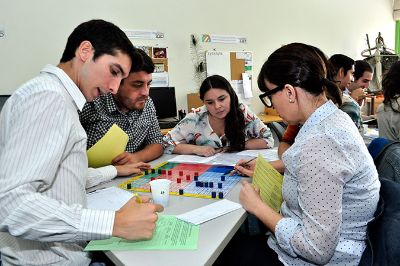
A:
[266,97]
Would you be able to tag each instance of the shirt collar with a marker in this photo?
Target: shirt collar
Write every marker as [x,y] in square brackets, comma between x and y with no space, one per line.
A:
[319,115]
[69,85]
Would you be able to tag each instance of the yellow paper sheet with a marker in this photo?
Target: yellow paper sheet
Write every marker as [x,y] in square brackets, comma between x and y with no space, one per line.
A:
[110,145]
[269,181]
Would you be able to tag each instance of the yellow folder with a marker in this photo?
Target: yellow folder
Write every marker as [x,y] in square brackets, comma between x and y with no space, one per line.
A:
[269,181]
[108,147]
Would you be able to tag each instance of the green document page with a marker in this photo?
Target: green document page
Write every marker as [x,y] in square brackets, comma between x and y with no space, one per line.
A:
[269,181]
[170,234]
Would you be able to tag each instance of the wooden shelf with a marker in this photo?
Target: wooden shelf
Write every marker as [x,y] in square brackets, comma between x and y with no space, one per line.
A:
[165,130]
[267,118]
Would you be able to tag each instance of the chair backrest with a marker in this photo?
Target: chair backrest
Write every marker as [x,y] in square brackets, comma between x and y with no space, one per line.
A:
[277,128]
[383,233]
[386,155]
[3,99]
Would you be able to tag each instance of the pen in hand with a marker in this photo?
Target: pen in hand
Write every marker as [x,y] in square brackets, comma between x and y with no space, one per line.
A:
[243,165]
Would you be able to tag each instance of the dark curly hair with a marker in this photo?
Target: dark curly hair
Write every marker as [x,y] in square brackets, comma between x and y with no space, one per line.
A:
[391,86]
[234,120]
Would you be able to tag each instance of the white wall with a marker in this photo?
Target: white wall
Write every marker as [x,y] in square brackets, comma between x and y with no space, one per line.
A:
[36,31]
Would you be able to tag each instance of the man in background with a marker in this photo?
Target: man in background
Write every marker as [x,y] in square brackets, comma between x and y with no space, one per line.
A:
[132,110]
[363,75]
[43,163]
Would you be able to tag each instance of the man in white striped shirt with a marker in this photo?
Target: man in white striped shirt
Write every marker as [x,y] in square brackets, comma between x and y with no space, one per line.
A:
[43,163]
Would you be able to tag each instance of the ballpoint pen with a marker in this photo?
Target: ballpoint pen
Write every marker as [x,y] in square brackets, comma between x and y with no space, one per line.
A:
[243,165]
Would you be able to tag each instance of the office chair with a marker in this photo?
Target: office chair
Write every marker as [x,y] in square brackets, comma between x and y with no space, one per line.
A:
[277,128]
[3,99]
[386,155]
[383,232]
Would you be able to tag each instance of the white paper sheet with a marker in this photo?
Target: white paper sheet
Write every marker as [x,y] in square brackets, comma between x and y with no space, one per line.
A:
[227,158]
[160,79]
[218,159]
[247,86]
[209,212]
[268,154]
[191,159]
[111,198]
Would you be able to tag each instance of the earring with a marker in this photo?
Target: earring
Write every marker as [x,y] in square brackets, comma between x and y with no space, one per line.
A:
[291,101]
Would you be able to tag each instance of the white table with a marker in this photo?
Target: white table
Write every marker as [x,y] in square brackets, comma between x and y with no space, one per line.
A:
[214,235]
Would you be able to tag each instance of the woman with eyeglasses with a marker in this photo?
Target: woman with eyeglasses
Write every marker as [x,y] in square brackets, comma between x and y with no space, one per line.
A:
[330,187]
[221,124]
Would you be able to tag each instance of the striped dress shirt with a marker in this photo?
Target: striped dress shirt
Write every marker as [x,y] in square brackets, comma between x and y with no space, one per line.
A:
[43,174]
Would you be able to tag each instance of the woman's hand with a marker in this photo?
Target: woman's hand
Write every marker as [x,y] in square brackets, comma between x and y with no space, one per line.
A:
[245,168]
[250,197]
[206,151]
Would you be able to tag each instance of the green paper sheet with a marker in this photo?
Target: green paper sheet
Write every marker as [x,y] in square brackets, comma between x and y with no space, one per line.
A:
[269,181]
[170,234]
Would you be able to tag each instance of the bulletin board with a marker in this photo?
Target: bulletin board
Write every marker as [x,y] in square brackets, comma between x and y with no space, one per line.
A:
[159,57]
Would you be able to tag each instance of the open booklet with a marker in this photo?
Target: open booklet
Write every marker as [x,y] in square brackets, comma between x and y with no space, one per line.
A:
[108,147]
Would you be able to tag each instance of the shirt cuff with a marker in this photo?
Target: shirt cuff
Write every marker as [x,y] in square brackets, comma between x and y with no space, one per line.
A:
[96,176]
[96,224]
[284,232]
[108,172]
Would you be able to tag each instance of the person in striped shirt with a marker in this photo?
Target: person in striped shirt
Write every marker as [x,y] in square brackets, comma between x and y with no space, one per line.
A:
[43,164]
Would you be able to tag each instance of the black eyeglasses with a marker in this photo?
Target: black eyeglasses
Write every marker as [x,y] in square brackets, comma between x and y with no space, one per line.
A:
[266,96]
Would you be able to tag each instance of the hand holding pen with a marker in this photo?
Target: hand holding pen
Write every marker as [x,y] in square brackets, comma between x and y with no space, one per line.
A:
[245,168]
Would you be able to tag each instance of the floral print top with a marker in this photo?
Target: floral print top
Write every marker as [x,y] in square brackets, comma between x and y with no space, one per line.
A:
[195,129]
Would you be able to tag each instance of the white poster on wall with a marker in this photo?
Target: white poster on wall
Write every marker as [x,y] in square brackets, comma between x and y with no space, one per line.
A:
[218,63]
[160,79]
[237,86]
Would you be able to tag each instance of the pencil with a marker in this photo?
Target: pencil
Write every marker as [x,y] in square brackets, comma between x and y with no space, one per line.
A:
[137,198]
[243,164]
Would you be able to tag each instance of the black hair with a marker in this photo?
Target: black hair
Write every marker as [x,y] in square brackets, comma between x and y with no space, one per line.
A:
[391,86]
[338,61]
[147,63]
[234,120]
[361,66]
[105,37]
[299,65]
